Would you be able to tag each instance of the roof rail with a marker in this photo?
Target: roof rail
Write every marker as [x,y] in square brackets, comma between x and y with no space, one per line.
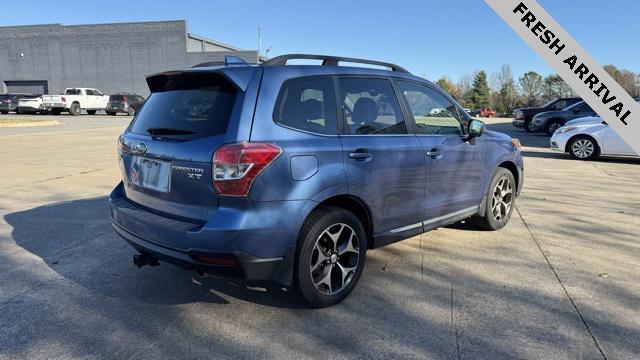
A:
[330,61]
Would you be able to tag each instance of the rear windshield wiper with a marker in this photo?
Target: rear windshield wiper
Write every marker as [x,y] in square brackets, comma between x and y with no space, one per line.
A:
[169,131]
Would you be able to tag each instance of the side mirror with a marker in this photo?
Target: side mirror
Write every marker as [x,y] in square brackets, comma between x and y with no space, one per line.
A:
[476,129]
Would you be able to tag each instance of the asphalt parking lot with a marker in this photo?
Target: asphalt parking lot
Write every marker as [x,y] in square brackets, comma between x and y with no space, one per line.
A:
[562,280]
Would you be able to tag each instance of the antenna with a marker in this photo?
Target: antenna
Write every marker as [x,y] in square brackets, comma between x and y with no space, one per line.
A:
[259,41]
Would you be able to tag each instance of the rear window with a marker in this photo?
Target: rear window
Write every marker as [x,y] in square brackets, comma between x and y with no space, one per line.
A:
[116,97]
[73,92]
[186,106]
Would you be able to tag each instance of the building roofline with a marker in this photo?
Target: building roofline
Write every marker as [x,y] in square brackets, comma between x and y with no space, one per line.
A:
[94,24]
[214,42]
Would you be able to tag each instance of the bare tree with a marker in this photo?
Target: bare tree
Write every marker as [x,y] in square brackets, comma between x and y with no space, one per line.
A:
[532,86]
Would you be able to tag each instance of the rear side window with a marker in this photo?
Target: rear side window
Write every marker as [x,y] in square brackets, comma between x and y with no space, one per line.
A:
[433,113]
[186,106]
[370,107]
[73,92]
[308,104]
[561,104]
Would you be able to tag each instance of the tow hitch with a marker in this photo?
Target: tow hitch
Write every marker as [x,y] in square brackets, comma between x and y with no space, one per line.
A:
[140,260]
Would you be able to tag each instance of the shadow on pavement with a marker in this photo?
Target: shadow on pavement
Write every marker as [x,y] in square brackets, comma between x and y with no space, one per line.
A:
[398,309]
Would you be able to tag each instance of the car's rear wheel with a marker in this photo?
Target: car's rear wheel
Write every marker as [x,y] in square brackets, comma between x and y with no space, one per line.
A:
[583,148]
[330,256]
[500,201]
[75,109]
[131,111]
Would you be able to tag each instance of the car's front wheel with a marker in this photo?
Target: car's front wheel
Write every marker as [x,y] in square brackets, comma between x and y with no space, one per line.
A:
[330,256]
[583,148]
[527,126]
[500,201]
[553,126]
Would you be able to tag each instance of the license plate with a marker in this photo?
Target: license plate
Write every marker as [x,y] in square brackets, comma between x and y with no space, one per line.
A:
[150,174]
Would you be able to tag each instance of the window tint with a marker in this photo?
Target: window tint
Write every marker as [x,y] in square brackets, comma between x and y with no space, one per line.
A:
[187,106]
[584,108]
[562,104]
[371,107]
[434,114]
[308,104]
[73,92]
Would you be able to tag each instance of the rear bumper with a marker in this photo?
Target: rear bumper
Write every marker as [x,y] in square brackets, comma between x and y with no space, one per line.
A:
[246,266]
[263,253]
[8,107]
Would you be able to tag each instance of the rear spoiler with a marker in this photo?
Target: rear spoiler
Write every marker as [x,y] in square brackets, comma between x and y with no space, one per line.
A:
[238,76]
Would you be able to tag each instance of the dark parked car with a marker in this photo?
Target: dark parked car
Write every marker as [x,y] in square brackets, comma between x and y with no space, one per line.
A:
[128,104]
[291,173]
[551,121]
[525,115]
[9,102]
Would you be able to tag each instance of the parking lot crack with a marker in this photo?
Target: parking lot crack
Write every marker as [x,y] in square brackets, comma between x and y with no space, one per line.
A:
[566,292]
[453,323]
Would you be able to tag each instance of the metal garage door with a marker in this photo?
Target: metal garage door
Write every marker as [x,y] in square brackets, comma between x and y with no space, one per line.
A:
[27,86]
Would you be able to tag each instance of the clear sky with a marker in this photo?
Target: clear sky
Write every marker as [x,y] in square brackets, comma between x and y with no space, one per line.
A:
[430,37]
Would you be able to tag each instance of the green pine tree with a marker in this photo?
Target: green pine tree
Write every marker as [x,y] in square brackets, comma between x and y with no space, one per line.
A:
[480,91]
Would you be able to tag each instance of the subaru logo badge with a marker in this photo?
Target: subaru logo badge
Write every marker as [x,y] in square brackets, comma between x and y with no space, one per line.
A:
[140,148]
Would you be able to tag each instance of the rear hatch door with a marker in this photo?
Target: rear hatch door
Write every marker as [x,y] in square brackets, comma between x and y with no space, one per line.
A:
[166,153]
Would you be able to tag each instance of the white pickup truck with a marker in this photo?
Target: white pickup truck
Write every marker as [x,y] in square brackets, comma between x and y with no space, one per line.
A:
[75,100]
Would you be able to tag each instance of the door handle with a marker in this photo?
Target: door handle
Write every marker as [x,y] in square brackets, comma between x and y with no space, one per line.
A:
[360,154]
[434,154]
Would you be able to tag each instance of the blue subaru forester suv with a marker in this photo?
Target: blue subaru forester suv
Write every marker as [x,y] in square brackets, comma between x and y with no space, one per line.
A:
[290,173]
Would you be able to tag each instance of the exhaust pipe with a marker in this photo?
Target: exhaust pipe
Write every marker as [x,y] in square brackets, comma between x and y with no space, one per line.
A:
[142,259]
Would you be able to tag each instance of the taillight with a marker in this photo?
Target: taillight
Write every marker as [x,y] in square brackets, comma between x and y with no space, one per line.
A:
[63,99]
[235,166]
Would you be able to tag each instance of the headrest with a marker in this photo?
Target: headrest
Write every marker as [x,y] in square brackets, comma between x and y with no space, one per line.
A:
[365,111]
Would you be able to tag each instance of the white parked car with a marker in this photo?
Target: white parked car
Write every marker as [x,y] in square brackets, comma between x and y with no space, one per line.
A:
[75,100]
[29,105]
[584,121]
[587,141]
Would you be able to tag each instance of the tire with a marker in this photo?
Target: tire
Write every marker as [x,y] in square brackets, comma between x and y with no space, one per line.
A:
[91,112]
[329,283]
[553,125]
[583,148]
[131,111]
[111,113]
[75,109]
[498,211]
[527,126]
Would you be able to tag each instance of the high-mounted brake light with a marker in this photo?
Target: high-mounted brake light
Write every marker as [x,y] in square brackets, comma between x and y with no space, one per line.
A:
[236,166]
